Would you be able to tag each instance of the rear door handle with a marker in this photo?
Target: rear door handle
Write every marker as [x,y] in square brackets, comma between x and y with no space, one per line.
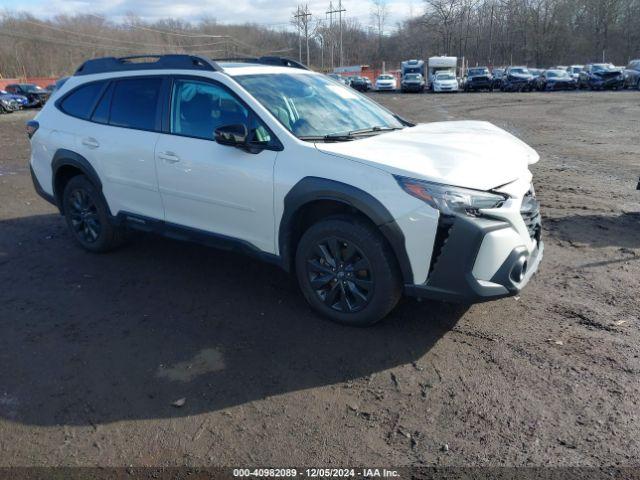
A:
[169,157]
[90,142]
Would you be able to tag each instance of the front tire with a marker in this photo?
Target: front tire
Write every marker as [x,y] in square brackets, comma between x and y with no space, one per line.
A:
[88,217]
[347,272]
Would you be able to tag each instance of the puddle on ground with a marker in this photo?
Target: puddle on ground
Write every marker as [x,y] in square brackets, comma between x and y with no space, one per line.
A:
[206,361]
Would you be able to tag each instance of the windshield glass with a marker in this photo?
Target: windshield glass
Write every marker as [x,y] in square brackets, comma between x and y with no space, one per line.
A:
[413,76]
[31,88]
[385,77]
[520,70]
[557,74]
[445,76]
[575,69]
[311,105]
[478,71]
[602,67]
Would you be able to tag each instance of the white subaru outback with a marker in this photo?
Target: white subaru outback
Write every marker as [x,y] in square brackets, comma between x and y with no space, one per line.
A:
[269,158]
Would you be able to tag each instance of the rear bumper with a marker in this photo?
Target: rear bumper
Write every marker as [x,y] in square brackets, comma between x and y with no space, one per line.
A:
[451,276]
[40,191]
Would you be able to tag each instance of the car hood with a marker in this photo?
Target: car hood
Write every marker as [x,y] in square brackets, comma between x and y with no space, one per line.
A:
[11,96]
[468,154]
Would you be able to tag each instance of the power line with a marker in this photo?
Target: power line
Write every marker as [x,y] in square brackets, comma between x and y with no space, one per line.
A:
[76,43]
[98,37]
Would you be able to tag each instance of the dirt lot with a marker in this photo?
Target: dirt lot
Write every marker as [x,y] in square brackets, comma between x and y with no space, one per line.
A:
[95,348]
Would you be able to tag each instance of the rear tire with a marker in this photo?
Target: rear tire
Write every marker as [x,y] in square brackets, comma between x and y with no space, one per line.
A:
[88,217]
[347,272]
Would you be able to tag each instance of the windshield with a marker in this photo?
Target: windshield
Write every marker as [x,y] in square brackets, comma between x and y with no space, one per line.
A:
[478,71]
[413,76]
[31,88]
[313,106]
[385,77]
[557,74]
[445,76]
[602,67]
[520,71]
[575,69]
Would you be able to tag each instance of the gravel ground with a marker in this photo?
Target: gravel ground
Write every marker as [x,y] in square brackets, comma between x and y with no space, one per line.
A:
[95,348]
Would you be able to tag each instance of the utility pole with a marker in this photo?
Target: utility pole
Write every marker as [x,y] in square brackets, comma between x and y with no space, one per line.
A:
[302,17]
[296,20]
[331,35]
[339,11]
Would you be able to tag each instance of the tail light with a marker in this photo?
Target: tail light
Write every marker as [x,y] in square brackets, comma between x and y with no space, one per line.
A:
[32,127]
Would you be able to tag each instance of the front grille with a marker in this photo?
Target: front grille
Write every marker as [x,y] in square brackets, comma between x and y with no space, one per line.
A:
[530,212]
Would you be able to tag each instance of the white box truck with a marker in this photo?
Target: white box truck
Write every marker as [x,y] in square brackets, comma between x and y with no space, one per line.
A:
[440,64]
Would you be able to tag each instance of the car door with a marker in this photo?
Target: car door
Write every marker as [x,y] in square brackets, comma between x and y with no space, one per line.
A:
[211,187]
[121,138]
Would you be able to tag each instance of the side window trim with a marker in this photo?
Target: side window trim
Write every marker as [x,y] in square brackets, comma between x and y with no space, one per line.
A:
[106,91]
[275,143]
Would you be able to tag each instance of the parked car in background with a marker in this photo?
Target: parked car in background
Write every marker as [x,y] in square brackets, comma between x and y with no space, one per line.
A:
[283,163]
[601,76]
[555,80]
[632,75]
[445,82]
[478,78]
[574,71]
[10,102]
[359,83]
[517,79]
[413,82]
[338,78]
[386,82]
[369,84]
[36,96]
[535,74]
[497,74]
[55,86]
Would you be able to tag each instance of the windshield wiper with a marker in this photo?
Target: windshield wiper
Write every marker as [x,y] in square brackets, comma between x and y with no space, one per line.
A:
[326,138]
[345,137]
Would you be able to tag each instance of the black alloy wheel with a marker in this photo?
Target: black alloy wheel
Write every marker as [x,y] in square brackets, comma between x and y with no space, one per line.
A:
[84,216]
[88,217]
[347,271]
[340,275]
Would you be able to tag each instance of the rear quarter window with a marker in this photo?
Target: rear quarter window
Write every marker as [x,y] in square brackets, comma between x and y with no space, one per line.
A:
[80,102]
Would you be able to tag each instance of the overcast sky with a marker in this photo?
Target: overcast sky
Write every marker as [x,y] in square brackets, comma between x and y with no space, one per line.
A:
[274,13]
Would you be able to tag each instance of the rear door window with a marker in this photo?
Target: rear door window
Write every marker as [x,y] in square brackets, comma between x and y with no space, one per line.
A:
[80,102]
[134,103]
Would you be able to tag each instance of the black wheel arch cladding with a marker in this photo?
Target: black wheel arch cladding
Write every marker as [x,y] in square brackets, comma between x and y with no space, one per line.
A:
[311,189]
[68,158]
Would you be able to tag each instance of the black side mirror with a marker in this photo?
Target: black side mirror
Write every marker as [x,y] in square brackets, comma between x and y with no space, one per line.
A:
[232,135]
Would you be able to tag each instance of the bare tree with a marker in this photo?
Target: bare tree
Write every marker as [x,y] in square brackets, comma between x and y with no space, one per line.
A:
[379,14]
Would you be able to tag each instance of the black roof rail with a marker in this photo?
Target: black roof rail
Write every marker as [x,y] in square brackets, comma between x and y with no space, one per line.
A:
[155,62]
[265,60]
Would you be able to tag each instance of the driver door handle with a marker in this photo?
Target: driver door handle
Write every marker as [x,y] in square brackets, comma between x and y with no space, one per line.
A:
[90,142]
[169,157]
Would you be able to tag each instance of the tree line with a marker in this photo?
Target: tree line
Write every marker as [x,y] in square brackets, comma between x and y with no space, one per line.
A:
[484,32]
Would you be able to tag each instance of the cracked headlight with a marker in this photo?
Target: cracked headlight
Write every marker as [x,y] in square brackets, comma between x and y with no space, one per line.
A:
[450,200]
